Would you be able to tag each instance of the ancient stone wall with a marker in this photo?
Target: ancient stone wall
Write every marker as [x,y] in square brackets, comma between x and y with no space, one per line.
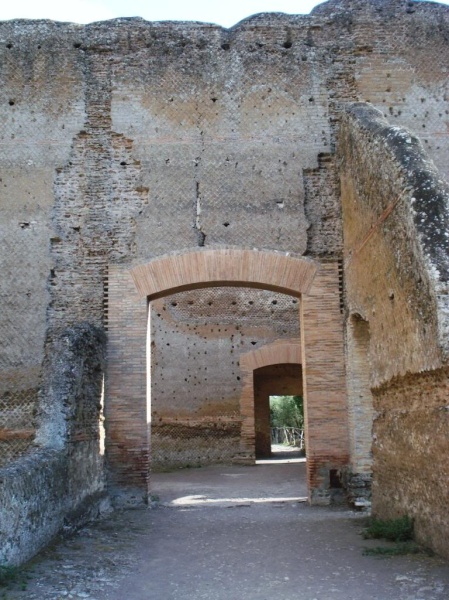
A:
[42,109]
[410,452]
[396,217]
[126,140]
[62,483]
[131,130]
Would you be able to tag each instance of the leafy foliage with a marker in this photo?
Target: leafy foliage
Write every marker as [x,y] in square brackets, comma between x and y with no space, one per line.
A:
[8,574]
[399,531]
[287,411]
[394,530]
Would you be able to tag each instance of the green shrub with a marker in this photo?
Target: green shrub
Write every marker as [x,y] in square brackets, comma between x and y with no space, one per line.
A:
[394,530]
[8,575]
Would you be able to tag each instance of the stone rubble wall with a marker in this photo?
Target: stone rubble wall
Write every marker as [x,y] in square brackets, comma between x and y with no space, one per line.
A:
[62,482]
[396,218]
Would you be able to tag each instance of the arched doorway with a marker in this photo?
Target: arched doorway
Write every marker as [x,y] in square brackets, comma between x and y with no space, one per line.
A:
[270,370]
[127,405]
[273,380]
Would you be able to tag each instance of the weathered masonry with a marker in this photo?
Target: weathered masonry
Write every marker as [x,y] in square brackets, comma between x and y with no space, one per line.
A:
[193,218]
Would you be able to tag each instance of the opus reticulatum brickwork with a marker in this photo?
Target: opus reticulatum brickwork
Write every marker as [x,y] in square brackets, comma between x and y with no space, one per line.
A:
[192,216]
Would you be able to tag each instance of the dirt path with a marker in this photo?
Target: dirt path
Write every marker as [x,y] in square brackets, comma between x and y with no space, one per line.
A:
[230,533]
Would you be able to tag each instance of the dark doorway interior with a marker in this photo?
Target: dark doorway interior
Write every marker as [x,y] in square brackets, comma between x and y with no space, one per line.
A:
[272,380]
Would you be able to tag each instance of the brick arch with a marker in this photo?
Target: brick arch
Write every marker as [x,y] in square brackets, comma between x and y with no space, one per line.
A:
[281,351]
[224,267]
[276,353]
[323,364]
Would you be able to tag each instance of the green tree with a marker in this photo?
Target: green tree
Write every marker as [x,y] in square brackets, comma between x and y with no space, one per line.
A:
[287,411]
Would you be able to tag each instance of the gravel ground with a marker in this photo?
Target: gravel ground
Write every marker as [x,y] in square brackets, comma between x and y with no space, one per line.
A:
[229,533]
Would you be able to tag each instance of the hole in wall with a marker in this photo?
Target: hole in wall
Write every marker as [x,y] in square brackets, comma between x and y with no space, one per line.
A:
[335,479]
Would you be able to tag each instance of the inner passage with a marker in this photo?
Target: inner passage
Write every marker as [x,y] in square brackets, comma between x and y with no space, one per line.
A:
[278,390]
[196,383]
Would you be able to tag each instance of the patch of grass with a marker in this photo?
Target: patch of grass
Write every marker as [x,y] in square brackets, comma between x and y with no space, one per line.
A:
[13,578]
[394,530]
[8,575]
[397,550]
[400,531]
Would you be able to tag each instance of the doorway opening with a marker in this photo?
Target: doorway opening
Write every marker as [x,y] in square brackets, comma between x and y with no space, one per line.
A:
[198,339]
[287,424]
[128,405]
[270,382]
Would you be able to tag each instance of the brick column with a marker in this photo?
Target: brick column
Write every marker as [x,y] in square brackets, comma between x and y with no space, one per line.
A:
[262,391]
[248,433]
[326,412]
[127,416]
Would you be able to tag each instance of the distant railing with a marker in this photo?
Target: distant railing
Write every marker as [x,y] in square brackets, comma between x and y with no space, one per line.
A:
[289,436]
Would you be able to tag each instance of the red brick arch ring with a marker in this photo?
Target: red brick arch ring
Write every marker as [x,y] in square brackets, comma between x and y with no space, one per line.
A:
[233,267]
[279,352]
[322,340]
[224,267]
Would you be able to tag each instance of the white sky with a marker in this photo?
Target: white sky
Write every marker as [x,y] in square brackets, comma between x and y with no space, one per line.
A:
[222,12]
